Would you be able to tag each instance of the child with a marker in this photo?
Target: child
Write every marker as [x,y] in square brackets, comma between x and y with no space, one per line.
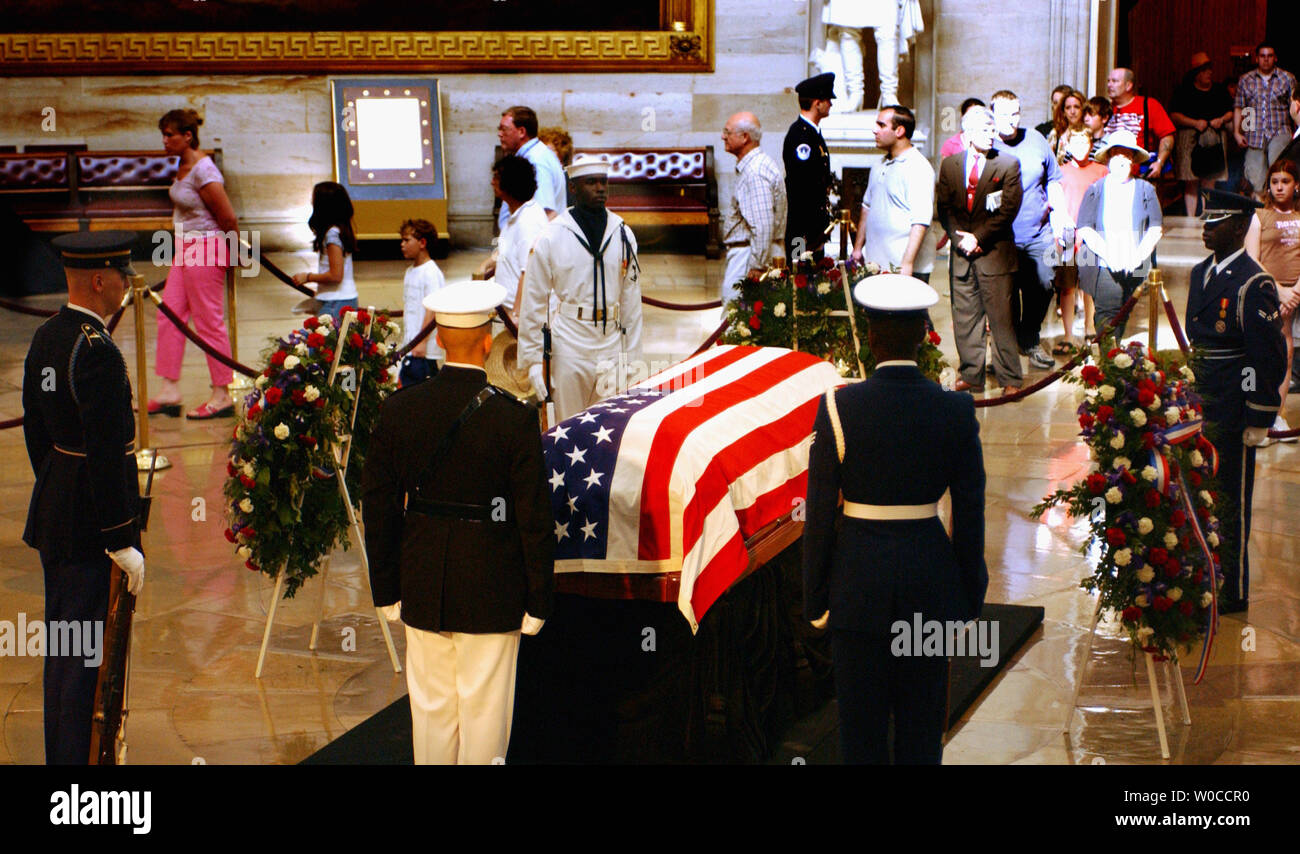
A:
[1096,113]
[422,279]
[335,240]
[1274,241]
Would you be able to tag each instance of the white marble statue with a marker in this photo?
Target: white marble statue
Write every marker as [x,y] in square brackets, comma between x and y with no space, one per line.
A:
[894,23]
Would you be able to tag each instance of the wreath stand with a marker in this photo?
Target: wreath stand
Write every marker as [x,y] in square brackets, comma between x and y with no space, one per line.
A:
[1175,680]
[341,452]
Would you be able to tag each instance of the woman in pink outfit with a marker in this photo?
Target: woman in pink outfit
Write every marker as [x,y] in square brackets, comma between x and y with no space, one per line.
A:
[196,284]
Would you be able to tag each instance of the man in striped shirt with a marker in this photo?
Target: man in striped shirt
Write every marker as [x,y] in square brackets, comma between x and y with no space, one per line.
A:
[1260,119]
[755,223]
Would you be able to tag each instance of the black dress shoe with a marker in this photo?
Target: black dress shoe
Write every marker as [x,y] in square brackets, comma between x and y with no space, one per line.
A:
[1234,606]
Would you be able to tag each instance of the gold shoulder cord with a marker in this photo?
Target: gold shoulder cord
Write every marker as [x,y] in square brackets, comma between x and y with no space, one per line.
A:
[834,414]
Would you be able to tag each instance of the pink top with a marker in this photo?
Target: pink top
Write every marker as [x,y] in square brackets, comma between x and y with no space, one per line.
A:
[1075,181]
[191,215]
[952,145]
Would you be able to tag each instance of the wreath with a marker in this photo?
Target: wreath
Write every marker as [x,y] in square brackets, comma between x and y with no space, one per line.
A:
[284,507]
[792,308]
[1150,502]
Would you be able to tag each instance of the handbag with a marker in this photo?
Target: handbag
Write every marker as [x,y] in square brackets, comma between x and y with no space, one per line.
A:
[1208,158]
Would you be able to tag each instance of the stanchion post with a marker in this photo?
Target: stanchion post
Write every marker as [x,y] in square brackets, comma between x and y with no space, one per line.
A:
[145,456]
[1154,283]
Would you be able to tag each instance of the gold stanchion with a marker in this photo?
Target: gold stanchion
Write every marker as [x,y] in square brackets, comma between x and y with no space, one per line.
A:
[1154,285]
[240,383]
[145,456]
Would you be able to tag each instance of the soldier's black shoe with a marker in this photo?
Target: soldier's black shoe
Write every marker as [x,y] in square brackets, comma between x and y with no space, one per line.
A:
[1234,606]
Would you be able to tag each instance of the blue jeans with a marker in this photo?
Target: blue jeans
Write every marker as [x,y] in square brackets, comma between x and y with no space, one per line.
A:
[334,307]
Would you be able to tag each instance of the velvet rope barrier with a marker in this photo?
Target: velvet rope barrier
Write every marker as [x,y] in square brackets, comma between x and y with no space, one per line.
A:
[26,309]
[283,276]
[712,339]
[202,345]
[681,306]
[419,336]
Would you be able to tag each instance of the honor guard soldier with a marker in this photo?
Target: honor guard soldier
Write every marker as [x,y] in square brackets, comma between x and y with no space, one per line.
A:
[808,178]
[884,556]
[81,442]
[1233,322]
[459,535]
[586,257]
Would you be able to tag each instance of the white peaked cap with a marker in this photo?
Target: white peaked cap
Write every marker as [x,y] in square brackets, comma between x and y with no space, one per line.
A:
[466,304]
[895,294]
[586,165]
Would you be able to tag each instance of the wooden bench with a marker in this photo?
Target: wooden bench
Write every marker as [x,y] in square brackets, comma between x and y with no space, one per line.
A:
[664,187]
[60,191]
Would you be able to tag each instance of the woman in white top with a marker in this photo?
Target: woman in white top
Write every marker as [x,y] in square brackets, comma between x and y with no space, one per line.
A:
[335,241]
[195,290]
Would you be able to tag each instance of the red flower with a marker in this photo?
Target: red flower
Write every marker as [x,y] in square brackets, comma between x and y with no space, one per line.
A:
[1105,413]
[371,348]
[1132,614]
[934,338]
[1128,477]
[230,468]
[827,262]
[252,566]
[299,397]
[1162,603]
[355,340]
[1198,575]
[1086,420]
[1178,518]
[230,535]
[1112,352]
[1148,441]
[1204,513]
[247,481]
[1157,421]
[800,281]
[383,318]
[327,353]
[254,412]
[834,274]
[758,306]
[755,322]
[278,357]
[273,395]
[306,441]
[1145,396]
[315,339]
[320,403]
[1193,478]
[249,532]
[1091,374]
[310,323]
[1173,568]
[1115,537]
[1187,608]
[363,317]
[1096,483]
[1152,498]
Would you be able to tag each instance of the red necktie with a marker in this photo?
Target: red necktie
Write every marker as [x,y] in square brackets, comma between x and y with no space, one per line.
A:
[972,182]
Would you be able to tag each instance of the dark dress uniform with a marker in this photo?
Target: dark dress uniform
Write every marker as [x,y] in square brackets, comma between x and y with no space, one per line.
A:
[905,441]
[808,178]
[459,569]
[1233,323]
[80,440]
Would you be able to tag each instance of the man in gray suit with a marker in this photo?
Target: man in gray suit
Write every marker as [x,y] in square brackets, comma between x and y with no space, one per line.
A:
[976,201]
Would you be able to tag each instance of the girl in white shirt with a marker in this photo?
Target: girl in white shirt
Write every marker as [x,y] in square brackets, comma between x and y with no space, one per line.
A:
[335,241]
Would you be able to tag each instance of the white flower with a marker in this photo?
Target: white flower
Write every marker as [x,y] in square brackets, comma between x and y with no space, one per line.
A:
[1205,496]
[744,332]
[1141,600]
[382,349]
[291,362]
[1145,525]
[841,367]
[393,328]
[1114,496]
[245,552]
[1197,459]
[1213,540]
[823,287]
[1171,539]
[1149,474]
[1148,366]
[1187,373]
[301,349]
[261,382]
[249,470]
[246,506]
[1154,404]
[1175,593]
[1122,463]
[948,378]
[1123,557]
[310,393]
[1080,394]
[871,267]
[326,319]
[779,310]
[1206,598]
[1123,360]
[1107,392]
[1117,441]
[1146,631]
[1139,418]
[282,431]
[240,432]
[1214,520]
[1173,414]
[1145,574]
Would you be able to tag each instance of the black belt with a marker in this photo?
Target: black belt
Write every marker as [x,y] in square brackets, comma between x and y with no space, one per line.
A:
[449,509]
[734,245]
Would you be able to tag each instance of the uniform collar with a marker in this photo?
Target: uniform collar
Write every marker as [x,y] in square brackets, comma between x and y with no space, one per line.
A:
[1222,265]
[465,367]
[897,363]
[810,123]
[84,310]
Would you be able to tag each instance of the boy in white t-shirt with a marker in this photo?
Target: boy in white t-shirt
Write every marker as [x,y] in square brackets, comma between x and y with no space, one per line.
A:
[422,279]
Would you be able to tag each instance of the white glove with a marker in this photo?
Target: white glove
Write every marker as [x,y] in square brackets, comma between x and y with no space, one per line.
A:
[820,622]
[130,561]
[393,612]
[1255,437]
[531,625]
[538,378]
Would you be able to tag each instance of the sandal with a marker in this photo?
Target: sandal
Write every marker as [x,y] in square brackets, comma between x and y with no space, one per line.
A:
[1063,348]
[172,410]
[206,412]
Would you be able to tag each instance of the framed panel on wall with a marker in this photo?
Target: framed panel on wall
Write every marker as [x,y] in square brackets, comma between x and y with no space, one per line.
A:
[43,37]
[388,152]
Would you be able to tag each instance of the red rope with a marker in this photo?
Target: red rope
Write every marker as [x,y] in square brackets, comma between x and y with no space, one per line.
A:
[419,336]
[202,345]
[26,309]
[712,339]
[1177,327]
[681,306]
[283,276]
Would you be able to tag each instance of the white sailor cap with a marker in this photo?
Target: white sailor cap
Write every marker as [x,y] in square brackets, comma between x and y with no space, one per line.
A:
[895,295]
[586,164]
[466,304]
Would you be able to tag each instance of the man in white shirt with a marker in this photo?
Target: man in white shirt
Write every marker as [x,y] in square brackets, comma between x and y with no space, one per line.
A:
[755,224]
[899,202]
[514,182]
[517,134]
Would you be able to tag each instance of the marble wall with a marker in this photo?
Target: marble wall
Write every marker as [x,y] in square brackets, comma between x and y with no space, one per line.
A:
[275,130]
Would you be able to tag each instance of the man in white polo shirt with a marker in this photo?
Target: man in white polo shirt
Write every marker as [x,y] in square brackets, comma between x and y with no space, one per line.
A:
[899,202]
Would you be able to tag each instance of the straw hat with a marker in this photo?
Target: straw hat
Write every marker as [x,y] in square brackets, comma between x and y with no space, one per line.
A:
[503,370]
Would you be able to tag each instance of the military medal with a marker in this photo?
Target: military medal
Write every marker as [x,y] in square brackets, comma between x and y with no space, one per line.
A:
[1220,325]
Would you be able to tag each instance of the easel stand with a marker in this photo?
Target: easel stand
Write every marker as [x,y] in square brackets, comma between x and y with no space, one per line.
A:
[341,451]
[1175,680]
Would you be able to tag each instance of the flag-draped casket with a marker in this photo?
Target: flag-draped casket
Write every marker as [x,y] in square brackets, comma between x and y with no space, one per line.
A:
[674,475]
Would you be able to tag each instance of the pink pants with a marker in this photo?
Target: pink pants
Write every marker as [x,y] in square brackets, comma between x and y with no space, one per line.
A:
[196,290]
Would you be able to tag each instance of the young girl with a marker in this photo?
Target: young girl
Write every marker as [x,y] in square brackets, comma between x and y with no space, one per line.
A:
[335,240]
[1274,241]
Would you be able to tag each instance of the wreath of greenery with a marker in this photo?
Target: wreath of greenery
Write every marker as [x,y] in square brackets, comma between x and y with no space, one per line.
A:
[284,507]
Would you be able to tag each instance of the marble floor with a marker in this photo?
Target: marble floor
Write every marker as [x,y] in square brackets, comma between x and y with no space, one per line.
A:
[200,619]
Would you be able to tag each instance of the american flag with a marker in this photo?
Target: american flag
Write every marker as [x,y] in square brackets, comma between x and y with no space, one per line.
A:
[675,474]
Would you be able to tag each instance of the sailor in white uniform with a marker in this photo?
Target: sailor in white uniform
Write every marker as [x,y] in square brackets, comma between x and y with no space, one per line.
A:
[586,257]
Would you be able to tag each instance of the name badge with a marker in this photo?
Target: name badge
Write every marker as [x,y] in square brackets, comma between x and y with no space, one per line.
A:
[993,201]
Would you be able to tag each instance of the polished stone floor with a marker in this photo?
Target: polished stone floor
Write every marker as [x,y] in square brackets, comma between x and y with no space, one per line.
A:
[200,619]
